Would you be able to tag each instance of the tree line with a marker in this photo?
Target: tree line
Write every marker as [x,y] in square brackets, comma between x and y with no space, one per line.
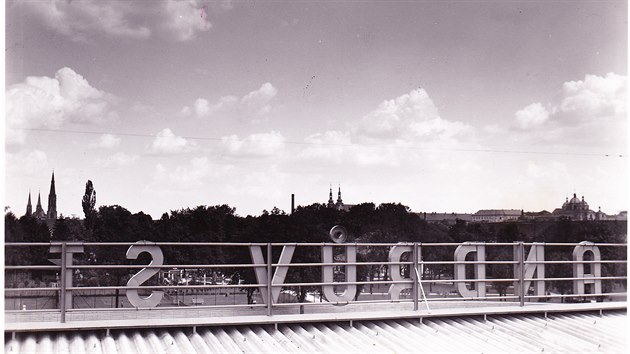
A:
[367,222]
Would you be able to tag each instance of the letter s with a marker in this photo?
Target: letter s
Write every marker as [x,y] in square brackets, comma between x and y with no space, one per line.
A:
[157,258]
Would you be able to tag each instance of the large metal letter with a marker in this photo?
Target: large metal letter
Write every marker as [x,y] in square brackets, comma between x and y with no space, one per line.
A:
[480,269]
[578,269]
[339,235]
[279,274]
[157,259]
[395,254]
[536,254]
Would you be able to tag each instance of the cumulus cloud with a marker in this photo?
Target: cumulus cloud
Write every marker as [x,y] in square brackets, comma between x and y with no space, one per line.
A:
[202,108]
[410,116]
[595,95]
[254,145]
[79,19]
[394,133]
[337,148]
[264,183]
[180,20]
[166,142]
[581,102]
[533,115]
[253,105]
[186,177]
[119,159]
[27,163]
[45,102]
[328,146]
[107,141]
[587,115]
[186,18]
[258,102]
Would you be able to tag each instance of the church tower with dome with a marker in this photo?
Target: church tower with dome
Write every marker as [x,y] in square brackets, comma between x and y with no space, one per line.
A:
[575,209]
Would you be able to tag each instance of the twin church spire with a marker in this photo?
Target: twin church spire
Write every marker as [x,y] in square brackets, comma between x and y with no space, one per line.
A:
[49,216]
[331,203]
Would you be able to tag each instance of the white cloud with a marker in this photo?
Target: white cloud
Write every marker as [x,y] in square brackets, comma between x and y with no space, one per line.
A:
[329,146]
[254,145]
[588,114]
[44,102]
[595,95]
[593,99]
[266,183]
[180,20]
[399,130]
[253,105]
[202,108]
[166,142]
[198,172]
[119,159]
[258,101]
[185,18]
[27,163]
[532,115]
[107,141]
[79,19]
[410,116]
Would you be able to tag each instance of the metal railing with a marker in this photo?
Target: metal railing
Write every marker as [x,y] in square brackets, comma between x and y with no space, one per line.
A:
[416,272]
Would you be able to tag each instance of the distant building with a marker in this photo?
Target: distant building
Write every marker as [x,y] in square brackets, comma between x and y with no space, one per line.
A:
[446,218]
[49,217]
[339,205]
[39,211]
[497,215]
[537,215]
[575,209]
[601,216]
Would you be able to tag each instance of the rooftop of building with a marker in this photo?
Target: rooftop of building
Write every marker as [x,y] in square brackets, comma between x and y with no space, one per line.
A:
[448,327]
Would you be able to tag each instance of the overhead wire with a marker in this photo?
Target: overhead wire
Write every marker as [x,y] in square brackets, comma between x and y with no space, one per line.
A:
[291,142]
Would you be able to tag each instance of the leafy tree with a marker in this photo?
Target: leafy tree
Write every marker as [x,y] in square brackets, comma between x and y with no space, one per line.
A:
[89,200]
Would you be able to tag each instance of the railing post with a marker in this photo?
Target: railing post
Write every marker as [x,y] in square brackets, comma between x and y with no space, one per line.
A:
[62,294]
[269,279]
[521,272]
[414,276]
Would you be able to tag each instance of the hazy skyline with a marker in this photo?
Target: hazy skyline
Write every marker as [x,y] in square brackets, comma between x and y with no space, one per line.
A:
[442,106]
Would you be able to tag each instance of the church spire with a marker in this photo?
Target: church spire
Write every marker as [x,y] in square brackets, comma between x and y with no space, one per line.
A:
[29,207]
[339,201]
[39,211]
[51,215]
[331,202]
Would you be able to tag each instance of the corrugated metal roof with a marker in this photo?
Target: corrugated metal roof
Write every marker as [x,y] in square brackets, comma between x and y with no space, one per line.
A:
[564,332]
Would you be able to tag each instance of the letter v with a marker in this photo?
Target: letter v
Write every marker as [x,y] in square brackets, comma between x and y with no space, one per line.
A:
[279,274]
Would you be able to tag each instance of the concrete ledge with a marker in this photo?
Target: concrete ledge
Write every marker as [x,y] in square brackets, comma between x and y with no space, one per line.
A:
[392,311]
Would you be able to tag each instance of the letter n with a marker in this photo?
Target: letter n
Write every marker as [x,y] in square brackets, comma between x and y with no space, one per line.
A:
[479,251]
[536,254]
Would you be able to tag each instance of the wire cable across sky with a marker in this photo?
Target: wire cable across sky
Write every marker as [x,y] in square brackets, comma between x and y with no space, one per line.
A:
[292,142]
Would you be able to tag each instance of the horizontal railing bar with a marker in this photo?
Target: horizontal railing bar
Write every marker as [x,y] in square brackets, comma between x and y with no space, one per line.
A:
[304,244]
[223,286]
[573,295]
[577,262]
[253,265]
[33,267]
[31,289]
[581,278]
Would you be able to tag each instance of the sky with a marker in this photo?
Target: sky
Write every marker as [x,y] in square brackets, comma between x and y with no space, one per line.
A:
[443,106]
